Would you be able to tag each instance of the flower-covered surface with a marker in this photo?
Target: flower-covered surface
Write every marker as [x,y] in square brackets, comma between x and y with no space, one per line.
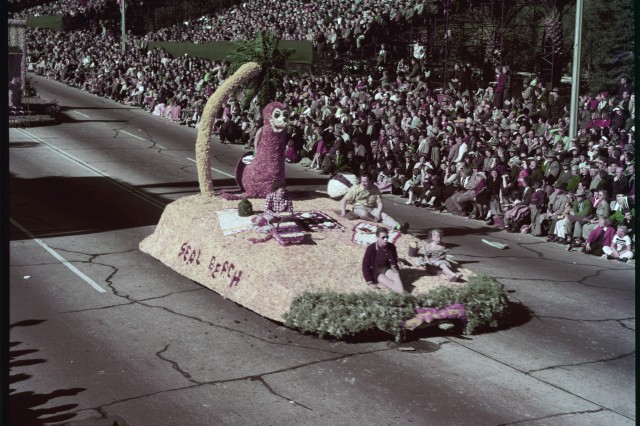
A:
[203,140]
[364,233]
[429,315]
[267,277]
[256,178]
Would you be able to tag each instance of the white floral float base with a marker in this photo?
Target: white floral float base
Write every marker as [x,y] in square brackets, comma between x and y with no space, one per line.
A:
[266,277]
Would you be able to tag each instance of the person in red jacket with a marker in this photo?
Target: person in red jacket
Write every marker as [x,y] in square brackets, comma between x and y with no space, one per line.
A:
[601,236]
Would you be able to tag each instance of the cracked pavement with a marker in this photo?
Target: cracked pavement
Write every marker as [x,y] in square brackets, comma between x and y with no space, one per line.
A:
[205,354]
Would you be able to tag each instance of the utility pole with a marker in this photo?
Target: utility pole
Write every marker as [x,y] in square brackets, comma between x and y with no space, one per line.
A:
[575,73]
[122,25]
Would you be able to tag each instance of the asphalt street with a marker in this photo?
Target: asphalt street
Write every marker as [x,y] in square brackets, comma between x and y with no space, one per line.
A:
[99,330]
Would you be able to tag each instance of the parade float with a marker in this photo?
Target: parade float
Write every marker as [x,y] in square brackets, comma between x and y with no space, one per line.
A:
[304,270]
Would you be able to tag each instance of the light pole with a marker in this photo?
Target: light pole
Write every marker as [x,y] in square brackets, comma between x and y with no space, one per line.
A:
[575,72]
[122,25]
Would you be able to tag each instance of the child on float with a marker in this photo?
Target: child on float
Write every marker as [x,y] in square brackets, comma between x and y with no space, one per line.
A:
[436,254]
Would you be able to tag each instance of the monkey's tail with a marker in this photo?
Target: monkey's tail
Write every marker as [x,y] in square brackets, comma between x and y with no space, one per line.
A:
[203,139]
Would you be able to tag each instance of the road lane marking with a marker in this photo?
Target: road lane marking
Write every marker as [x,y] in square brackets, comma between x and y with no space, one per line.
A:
[129,189]
[127,133]
[138,137]
[216,170]
[55,254]
[84,115]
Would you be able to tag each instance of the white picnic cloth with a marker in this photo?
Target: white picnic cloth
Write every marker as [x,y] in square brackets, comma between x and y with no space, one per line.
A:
[231,223]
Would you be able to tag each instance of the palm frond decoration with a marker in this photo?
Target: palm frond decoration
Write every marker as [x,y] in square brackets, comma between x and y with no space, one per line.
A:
[265,51]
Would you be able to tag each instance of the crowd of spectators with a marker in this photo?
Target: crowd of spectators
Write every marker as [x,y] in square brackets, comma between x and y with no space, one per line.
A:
[61,7]
[174,88]
[496,152]
[333,25]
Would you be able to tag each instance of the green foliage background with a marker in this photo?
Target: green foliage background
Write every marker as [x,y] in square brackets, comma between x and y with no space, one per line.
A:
[607,33]
[266,52]
[53,22]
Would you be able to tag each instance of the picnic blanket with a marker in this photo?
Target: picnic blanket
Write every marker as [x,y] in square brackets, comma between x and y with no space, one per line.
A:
[364,234]
[232,223]
[316,221]
[286,230]
[307,221]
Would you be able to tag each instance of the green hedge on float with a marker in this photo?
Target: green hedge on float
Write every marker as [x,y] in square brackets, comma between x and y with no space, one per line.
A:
[338,315]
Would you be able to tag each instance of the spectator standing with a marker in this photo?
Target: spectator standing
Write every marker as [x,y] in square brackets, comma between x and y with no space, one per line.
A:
[498,91]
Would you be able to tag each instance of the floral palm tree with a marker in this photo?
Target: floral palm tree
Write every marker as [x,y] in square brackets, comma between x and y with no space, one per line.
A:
[264,50]
[258,66]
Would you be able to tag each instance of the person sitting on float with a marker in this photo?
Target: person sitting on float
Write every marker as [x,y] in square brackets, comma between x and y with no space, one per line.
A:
[435,254]
[278,203]
[368,205]
[380,263]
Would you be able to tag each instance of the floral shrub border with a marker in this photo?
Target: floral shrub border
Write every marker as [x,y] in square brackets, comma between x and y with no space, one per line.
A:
[479,306]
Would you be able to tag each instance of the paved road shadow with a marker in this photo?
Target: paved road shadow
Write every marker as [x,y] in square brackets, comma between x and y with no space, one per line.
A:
[23,406]
[62,206]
